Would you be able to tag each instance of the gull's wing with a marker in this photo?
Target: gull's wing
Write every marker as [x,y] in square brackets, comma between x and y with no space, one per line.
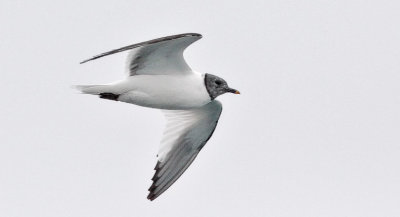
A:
[187,131]
[157,56]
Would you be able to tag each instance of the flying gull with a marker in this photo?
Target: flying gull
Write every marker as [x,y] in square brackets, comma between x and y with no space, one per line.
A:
[158,77]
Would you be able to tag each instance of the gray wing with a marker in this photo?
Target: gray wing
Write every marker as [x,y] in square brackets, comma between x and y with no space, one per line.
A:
[157,56]
[186,133]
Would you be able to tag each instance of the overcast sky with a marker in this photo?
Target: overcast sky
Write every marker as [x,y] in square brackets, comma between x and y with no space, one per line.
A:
[315,132]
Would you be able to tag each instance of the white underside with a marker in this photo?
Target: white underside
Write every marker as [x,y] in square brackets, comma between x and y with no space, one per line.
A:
[172,92]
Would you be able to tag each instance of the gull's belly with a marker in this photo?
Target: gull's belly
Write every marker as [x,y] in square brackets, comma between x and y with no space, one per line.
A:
[166,91]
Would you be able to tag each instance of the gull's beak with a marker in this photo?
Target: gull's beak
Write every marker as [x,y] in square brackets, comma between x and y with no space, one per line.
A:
[231,90]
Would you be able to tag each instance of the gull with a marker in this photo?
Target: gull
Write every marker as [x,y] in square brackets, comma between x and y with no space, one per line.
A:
[158,77]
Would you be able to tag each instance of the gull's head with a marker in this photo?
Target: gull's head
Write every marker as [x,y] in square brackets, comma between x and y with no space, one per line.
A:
[217,86]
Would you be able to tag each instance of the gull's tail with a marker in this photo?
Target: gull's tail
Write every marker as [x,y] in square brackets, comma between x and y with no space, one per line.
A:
[91,89]
[103,91]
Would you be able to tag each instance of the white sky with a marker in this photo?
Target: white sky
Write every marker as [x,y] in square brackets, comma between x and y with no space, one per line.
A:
[314,133]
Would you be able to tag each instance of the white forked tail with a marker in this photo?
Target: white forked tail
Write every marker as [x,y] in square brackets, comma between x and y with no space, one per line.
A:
[92,89]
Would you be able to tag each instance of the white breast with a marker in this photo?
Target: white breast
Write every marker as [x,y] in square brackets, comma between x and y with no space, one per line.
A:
[165,91]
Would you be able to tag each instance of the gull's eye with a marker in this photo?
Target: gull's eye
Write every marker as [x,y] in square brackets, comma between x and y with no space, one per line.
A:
[218,82]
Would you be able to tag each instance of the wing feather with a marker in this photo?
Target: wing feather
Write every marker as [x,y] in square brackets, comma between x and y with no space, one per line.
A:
[158,56]
[185,135]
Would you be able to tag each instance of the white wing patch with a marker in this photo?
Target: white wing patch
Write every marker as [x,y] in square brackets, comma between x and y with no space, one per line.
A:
[163,58]
[186,133]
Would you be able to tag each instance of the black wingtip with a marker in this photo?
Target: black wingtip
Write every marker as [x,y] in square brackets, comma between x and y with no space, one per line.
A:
[85,61]
[157,165]
[192,34]
[90,59]
[151,197]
